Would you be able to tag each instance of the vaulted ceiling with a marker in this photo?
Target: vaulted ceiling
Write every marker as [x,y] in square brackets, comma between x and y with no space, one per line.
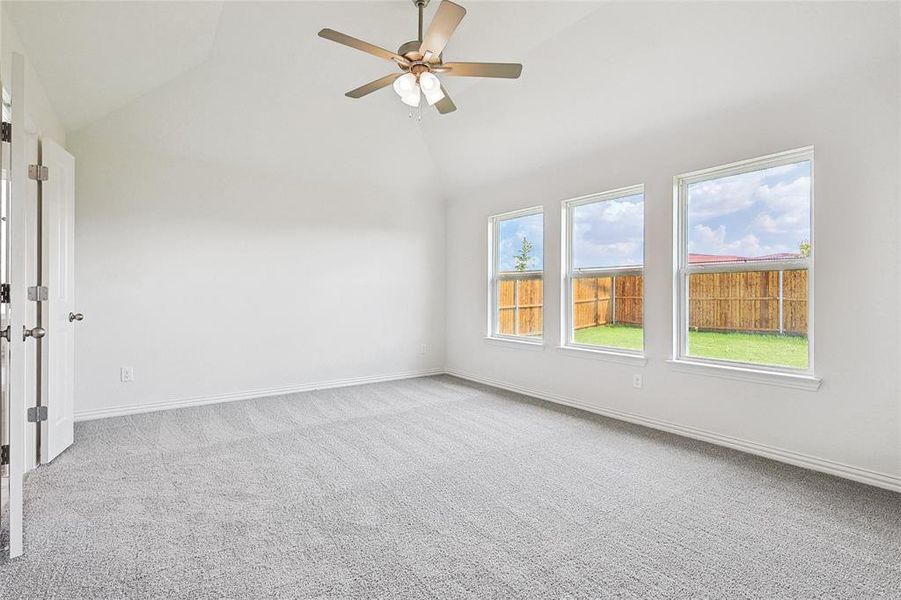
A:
[94,57]
[251,83]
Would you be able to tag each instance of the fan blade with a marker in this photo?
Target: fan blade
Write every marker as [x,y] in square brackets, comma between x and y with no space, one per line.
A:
[442,27]
[373,86]
[503,70]
[342,38]
[445,105]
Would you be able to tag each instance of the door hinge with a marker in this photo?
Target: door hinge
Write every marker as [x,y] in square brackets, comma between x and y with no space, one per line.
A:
[38,293]
[38,172]
[6,132]
[4,454]
[36,414]
[4,293]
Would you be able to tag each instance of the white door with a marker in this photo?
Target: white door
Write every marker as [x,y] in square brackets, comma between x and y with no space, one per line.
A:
[59,316]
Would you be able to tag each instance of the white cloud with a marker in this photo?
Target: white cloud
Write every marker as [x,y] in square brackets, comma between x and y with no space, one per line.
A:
[619,211]
[785,194]
[609,233]
[719,197]
[614,254]
[707,240]
[786,208]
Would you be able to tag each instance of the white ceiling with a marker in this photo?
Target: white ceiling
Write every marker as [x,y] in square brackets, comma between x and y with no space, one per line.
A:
[250,82]
[94,57]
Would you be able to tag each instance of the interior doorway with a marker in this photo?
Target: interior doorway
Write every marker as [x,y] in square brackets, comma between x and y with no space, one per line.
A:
[37,302]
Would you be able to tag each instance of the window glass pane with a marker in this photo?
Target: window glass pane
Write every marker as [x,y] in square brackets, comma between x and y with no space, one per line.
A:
[756,216]
[518,280]
[607,284]
[755,315]
[609,233]
[521,244]
[749,316]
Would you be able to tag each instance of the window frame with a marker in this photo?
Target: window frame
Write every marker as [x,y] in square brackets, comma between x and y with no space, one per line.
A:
[682,270]
[567,337]
[495,277]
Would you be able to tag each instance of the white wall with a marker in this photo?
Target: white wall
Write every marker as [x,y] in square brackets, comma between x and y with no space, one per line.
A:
[41,116]
[245,229]
[854,418]
[215,281]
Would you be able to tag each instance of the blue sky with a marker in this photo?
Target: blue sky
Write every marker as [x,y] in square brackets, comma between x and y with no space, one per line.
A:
[752,214]
[512,231]
[609,233]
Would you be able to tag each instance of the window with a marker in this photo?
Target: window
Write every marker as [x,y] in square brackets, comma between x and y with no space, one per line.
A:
[517,278]
[604,249]
[745,259]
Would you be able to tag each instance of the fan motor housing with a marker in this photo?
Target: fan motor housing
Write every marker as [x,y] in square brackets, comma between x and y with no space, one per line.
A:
[410,50]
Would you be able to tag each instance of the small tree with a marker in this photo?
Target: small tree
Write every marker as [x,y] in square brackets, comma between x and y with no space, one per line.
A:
[522,260]
[805,248]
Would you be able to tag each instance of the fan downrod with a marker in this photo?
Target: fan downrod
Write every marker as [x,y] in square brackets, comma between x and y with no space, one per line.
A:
[410,50]
[420,5]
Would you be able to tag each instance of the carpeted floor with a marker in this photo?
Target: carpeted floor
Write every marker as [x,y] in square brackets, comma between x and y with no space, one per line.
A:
[436,488]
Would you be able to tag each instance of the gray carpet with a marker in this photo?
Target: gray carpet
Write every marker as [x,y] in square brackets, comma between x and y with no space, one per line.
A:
[436,488]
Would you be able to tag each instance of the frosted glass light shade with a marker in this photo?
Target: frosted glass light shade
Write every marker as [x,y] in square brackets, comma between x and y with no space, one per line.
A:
[411,98]
[431,87]
[405,84]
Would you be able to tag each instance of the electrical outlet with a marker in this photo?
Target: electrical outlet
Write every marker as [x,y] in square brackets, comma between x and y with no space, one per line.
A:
[127,374]
[423,348]
[636,381]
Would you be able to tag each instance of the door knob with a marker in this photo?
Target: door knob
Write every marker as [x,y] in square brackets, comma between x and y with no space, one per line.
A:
[36,333]
[75,317]
[4,334]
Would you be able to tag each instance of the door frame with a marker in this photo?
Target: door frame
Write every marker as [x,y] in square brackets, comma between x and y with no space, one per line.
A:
[18,256]
[32,309]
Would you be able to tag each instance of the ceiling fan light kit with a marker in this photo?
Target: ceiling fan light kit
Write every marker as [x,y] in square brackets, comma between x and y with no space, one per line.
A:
[419,61]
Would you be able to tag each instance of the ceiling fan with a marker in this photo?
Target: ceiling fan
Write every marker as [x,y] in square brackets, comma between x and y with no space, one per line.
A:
[420,59]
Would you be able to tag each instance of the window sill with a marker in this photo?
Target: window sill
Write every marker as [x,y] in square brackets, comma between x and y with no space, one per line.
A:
[798,381]
[626,358]
[537,346]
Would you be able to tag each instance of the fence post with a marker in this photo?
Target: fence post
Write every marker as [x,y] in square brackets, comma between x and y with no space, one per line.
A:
[781,304]
[613,299]
[516,307]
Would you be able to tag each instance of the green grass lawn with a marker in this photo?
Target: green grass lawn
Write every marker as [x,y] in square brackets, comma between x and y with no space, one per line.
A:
[783,350]
[616,336]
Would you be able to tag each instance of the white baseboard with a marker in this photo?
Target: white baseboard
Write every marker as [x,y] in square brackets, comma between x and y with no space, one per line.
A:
[874,478]
[133,409]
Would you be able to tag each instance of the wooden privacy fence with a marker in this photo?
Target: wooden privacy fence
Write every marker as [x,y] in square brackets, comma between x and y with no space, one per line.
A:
[603,300]
[749,301]
[520,303]
[754,301]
